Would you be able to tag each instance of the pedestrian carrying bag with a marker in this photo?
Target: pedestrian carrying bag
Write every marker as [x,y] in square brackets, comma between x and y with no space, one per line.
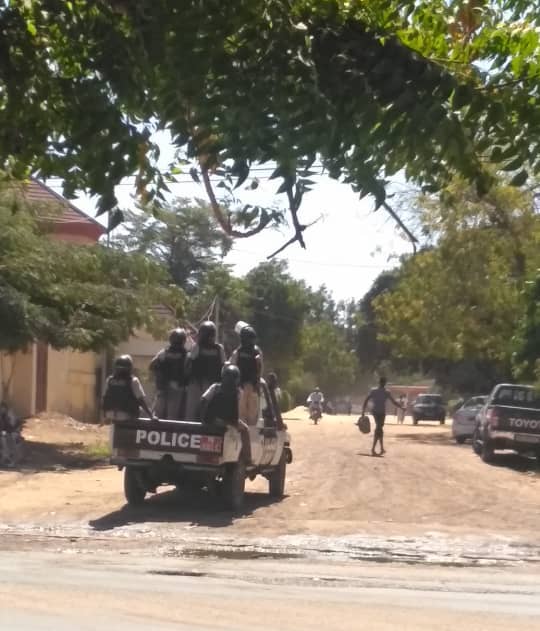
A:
[364,424]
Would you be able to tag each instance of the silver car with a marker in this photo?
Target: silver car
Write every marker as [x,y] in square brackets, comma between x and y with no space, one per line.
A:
[464,418]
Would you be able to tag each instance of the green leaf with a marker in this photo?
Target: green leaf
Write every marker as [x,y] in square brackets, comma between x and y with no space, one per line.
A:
[520,178]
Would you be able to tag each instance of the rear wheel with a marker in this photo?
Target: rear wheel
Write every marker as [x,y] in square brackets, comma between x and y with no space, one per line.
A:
[414,420]
[488,452]
[441,420]
[460,440]
[476,444]
[134,490]
[276,481]
[234,484]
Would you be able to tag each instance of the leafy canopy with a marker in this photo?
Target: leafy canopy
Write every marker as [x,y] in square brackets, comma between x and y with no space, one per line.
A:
[431,87]
[83,297]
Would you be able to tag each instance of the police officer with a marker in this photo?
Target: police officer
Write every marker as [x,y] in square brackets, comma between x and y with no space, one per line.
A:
[169,370]
[203,368]
[248,358]
[124,394]
[221,402]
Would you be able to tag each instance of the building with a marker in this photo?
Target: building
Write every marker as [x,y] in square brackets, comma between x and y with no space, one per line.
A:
[42,378]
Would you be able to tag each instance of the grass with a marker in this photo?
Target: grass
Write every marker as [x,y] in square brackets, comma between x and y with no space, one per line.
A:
[99,450]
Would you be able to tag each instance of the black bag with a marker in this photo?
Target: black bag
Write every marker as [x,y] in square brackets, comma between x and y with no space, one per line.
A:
[364,424]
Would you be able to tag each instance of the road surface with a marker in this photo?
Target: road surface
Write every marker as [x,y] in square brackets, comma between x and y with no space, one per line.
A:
[63,592]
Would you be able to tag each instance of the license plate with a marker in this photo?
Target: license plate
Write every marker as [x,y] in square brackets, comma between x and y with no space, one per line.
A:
[212,444]
[527,438]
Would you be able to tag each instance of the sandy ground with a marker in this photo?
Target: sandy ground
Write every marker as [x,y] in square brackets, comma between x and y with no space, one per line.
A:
[334,487]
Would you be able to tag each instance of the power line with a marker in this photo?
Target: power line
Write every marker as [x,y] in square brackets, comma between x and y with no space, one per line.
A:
[311,262]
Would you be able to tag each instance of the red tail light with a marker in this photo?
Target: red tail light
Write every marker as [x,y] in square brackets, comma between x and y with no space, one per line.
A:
[492,417]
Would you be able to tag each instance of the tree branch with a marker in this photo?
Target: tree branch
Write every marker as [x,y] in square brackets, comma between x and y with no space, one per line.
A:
[225,222]
[400,223]
[296,237]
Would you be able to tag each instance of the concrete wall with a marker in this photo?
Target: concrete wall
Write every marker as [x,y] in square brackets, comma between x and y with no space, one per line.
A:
[72,384]
[17,372]
[142,347]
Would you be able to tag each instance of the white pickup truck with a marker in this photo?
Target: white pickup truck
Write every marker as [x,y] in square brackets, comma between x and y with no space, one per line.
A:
[194,454]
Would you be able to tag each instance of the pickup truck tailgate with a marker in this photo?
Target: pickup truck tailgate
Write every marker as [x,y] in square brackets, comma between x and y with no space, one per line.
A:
[517,419]
[184,441]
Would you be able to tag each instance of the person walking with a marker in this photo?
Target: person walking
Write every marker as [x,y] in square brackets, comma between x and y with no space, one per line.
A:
[401,410]
[378,398]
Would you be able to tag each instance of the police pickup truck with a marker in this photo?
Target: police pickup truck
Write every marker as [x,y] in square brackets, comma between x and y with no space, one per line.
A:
[510,419]
[198,455]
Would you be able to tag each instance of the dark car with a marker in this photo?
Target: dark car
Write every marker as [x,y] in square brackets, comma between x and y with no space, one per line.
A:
[428,407]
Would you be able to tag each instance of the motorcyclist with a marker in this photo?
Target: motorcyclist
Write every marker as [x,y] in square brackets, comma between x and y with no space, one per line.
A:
[248,358]
[124,394]
[220,402]
[203,367]
[315,401]
[8,438]
[169,370]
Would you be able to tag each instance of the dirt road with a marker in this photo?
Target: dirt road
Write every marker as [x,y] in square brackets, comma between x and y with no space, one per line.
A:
[44,592]
[334,487]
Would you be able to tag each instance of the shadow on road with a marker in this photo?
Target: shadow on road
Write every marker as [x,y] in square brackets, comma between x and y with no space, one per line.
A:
[199,509]
[425,438]
[40,456]
[519,463]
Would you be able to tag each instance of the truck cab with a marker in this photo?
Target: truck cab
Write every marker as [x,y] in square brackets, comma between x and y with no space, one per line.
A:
[201,455]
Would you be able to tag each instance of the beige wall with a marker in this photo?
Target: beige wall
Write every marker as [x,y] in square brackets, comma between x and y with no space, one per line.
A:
[71,384]
[17,372]
[142,347]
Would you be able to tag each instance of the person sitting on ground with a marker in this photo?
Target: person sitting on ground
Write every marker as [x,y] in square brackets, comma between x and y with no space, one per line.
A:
[378,397]
[8,427]
[124,395]
[203,367]
[169,370]
[248,358]
[221,403]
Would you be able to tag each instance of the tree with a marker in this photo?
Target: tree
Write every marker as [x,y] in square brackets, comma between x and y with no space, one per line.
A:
[327,358]
[277,308]
[459,301]
[182,236]
[83,297]
[368,88]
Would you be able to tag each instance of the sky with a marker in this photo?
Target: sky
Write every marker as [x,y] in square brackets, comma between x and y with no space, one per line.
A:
[346,249]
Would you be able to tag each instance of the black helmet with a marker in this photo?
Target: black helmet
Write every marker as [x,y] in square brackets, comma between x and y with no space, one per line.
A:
[247,334]
[230,376]
[177,337]
[124,363]
[207,331]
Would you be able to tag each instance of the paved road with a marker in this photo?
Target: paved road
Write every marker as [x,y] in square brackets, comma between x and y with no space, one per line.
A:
[65,591]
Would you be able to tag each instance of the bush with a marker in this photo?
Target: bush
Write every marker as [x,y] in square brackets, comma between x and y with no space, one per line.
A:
[285,401]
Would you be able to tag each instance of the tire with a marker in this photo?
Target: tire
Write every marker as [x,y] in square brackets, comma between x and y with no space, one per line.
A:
[414,420]
[442,420]
[488,452]
[276,481]
[476,445]
[460,440]
[234,484]
[134,490]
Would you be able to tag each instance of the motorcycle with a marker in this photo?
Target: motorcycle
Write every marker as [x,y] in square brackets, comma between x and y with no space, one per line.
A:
[315,413]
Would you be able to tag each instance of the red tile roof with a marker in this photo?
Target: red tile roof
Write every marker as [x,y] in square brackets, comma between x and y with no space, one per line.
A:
[70,220]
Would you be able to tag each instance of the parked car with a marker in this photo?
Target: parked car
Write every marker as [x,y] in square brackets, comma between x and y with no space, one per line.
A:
[509,420]
[428,407]
[464,418]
